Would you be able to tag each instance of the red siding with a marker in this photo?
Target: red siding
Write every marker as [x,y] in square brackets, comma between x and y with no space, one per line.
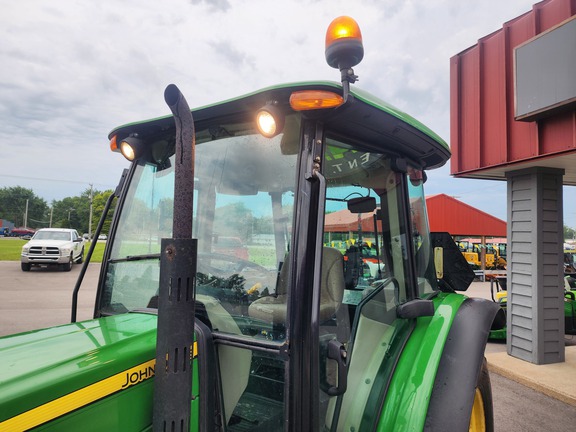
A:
[483,131]
[558,133]
[493,126]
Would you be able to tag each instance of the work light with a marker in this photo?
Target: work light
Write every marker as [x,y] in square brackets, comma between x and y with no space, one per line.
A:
[131,147]
[269,120]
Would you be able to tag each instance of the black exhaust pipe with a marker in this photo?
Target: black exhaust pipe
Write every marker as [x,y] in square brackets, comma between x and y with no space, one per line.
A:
[176,297]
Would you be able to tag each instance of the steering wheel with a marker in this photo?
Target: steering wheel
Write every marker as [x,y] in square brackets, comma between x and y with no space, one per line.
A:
[235,264]
[225,266]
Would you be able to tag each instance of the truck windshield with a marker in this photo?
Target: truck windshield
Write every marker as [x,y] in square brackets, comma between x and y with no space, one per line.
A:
[53,235]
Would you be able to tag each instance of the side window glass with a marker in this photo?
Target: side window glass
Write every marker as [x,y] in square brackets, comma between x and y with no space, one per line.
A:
[423,256]
[363,225]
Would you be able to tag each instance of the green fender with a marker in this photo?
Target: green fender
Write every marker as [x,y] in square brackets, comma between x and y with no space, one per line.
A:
[427,360]
[454,387]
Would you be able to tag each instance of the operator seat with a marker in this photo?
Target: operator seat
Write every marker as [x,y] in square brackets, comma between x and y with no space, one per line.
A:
[273,308]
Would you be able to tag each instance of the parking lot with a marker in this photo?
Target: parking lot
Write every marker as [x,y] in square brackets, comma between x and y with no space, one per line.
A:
[42,297]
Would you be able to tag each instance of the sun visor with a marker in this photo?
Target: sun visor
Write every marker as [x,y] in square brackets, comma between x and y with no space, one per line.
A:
[290,142]
[246,166]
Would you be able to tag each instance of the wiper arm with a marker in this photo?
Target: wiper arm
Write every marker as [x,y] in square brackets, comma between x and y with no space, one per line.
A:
[142,257]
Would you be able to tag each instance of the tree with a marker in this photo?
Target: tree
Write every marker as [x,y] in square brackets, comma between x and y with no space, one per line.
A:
[13,207]
[569,233]
[98,204]
[67,213]
[235,220]
[74,212]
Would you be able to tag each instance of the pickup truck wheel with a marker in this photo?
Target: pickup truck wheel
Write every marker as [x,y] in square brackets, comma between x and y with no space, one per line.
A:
[25,266]
[482,416]
[80,258]
[68,266]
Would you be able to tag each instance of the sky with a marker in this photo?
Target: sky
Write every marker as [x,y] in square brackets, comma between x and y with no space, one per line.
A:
[73,70]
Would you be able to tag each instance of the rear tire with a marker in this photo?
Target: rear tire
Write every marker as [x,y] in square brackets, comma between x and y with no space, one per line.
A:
[482,415]
[25,266]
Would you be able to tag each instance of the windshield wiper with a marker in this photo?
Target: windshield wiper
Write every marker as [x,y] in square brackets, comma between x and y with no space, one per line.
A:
[142,257]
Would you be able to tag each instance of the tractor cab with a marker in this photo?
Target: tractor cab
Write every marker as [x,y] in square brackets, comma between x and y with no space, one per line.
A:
[285,317]
[293,329]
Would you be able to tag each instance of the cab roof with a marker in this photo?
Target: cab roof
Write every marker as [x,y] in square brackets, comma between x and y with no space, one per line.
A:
[365,117]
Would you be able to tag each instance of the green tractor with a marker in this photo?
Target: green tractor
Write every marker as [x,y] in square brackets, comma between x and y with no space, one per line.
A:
[186,336]
[499,293]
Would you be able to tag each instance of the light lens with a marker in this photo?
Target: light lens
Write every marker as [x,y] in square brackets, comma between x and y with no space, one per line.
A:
[344,47]
[270,120]
[113,144]
[127,150]
[314,99]
[341,28]
[266,123]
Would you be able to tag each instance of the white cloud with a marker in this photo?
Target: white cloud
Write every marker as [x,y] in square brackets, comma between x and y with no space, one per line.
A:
[71,71]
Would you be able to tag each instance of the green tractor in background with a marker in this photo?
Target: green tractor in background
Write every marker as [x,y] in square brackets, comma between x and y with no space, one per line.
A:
[499,293]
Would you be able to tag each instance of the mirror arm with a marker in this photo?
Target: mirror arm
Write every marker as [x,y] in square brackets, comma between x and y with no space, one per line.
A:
[415,308]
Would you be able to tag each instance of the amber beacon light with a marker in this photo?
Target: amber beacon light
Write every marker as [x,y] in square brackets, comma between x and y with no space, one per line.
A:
[344,49]
[314,99]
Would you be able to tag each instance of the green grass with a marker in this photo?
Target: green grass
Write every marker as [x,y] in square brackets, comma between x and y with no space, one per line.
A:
[10,249]
[262,255]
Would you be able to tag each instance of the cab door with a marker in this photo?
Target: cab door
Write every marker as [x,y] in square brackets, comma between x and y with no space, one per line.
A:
[371,240]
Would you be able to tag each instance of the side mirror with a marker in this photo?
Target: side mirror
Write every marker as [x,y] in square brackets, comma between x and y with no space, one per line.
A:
[362,205]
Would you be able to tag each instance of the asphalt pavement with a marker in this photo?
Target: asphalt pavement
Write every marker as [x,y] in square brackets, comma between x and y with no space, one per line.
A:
[550,379]
[42,297]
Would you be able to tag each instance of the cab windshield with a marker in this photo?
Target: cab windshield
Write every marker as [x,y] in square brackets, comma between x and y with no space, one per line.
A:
[244,199]
[244,202]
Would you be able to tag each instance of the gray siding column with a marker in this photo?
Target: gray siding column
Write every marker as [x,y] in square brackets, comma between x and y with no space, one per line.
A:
[535,265]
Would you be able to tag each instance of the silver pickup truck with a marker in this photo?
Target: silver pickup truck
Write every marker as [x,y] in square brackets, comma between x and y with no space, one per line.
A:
[53,246]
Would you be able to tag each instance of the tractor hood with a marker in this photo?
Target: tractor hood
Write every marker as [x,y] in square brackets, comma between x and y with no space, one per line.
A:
[82,362]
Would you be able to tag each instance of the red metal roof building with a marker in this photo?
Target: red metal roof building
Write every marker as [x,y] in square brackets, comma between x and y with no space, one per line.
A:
[345,221]
[446,213]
